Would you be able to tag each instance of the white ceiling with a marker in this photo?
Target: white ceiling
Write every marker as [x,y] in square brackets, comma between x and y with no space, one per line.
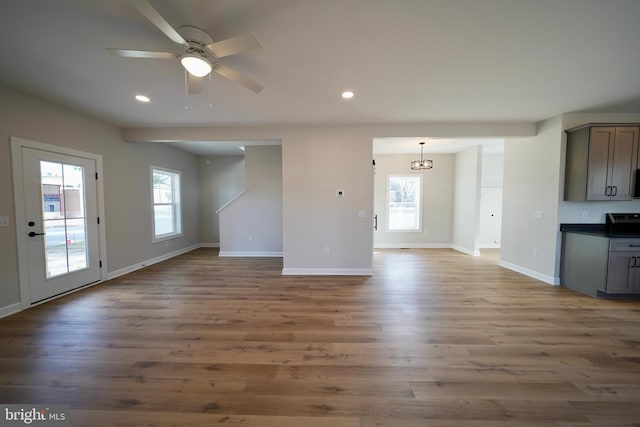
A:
[219,148]
[435,145]
[407,61]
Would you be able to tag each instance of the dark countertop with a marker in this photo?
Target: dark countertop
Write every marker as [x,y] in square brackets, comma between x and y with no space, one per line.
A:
[601,230]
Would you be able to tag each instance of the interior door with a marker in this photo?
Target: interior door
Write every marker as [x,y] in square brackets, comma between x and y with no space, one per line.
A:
[61,222]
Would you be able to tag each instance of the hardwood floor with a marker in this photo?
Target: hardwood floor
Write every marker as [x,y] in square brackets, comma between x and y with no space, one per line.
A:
[434,338]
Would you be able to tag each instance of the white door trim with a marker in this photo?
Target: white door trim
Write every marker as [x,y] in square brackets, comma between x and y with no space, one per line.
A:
[18,196]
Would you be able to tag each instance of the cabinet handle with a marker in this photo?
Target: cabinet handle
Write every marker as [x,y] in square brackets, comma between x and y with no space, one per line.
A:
[607,192]
[615,190]
[635,262]
[634,246]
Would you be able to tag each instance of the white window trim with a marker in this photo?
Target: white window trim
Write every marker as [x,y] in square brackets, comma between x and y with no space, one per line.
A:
[177,206]
[420,204]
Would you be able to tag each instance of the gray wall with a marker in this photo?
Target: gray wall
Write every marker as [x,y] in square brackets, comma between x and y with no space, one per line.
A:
[126,182]
[437,198]
[466,202]
[252,223]
[221,179]
[532,183]
[324,234]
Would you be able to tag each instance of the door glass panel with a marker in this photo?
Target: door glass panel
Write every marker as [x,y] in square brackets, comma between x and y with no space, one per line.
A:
[76,244]
[73,191]
[55,247]
[64,220]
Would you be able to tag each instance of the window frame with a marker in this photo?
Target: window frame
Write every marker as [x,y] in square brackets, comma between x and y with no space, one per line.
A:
[176,204]
[419,204]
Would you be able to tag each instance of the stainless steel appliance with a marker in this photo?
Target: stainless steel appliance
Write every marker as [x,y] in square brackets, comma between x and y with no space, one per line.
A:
[623,222]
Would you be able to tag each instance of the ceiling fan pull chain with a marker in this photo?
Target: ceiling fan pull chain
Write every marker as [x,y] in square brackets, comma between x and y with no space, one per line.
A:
[210,94]
[186,90]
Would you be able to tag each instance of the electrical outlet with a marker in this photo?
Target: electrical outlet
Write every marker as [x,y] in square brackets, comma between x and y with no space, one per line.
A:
[534,252]
[250,237]
[4,221]
[585,215]
[327,250]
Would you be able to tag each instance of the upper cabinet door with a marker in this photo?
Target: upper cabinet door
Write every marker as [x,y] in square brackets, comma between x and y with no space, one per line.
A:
[623,161]
[598,169]
[601,162]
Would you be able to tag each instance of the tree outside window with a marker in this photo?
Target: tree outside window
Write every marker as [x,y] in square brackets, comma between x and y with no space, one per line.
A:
[404,202]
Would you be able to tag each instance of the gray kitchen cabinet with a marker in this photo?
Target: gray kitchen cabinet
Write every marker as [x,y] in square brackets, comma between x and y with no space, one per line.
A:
[623,275]
[601,162]
[599,265]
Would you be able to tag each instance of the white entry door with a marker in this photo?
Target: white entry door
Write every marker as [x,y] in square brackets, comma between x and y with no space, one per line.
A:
[61,222]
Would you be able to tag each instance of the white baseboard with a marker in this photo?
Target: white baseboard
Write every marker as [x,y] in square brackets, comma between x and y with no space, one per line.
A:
[465,250]
[209,245]
[250,254]
[10,309]
[122,271]
[412,246]
[327,272]
[534,274]
[490,246]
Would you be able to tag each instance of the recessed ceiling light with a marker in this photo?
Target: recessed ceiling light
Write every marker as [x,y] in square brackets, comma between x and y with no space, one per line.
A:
[347,94]
[143,98]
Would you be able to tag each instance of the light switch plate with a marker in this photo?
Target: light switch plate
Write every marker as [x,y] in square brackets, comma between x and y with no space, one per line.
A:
[4,221]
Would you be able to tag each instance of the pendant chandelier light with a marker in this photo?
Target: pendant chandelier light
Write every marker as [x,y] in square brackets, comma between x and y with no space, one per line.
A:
[422,163]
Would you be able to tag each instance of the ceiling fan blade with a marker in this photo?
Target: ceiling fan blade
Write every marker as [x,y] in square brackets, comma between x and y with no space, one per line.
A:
[156,19]
[128,53]
[234,45]
[235,76]
[194,84]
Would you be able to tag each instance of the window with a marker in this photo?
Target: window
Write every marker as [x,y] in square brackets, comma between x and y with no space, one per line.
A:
[165,186]
[404,202]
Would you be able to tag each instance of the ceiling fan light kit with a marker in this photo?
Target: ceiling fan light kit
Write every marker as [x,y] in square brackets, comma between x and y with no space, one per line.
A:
[195,65]
[200,54]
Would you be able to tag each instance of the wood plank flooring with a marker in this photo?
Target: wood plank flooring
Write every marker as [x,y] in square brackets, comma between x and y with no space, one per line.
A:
[434,338]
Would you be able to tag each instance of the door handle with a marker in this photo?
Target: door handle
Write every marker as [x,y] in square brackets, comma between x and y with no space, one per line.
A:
[33,234]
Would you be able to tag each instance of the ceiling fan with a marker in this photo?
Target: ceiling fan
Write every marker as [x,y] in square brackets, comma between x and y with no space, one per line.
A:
[199,53]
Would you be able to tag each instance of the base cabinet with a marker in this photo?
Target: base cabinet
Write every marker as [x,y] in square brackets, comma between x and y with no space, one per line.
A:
[623,272]
[601,266]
